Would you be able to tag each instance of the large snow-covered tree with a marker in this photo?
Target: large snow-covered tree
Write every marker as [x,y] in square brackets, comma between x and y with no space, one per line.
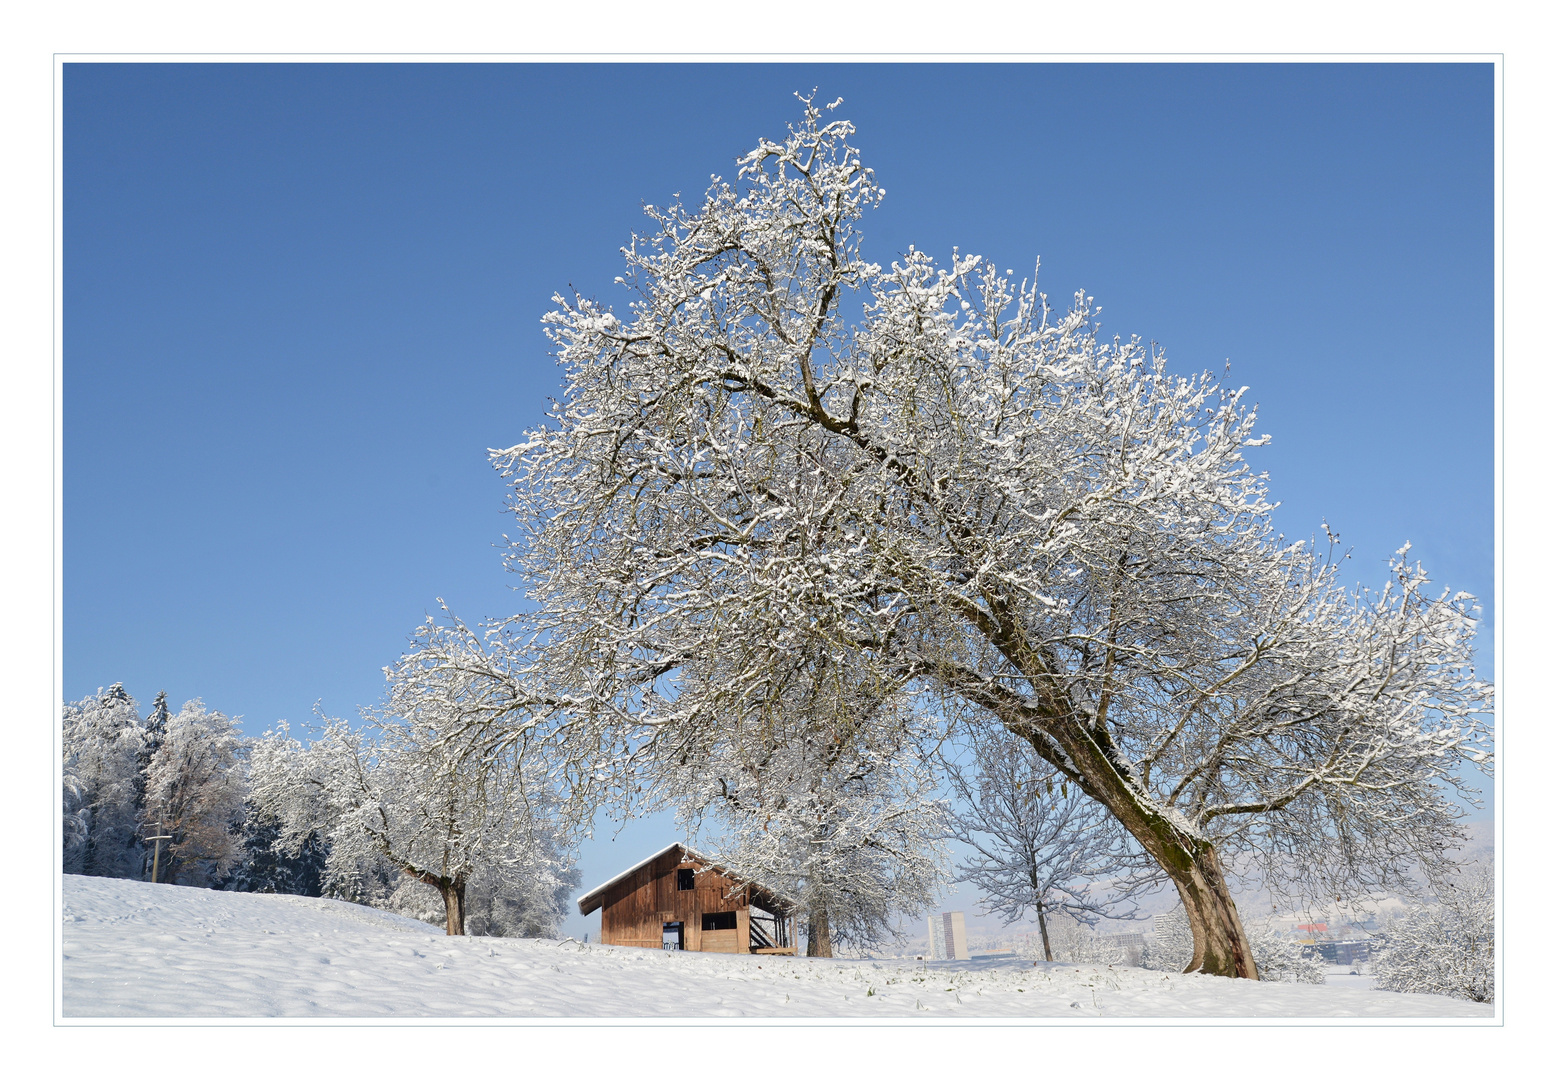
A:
[778,440]
[196,786]
[1036,842]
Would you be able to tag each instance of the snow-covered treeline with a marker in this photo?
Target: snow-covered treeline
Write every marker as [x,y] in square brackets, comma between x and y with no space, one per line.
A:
[126,777]
[371,816]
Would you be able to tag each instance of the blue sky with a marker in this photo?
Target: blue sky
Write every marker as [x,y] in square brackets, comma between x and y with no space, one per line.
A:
[301,301]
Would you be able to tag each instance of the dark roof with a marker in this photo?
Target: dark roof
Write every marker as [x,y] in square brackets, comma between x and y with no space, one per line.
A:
[767,898]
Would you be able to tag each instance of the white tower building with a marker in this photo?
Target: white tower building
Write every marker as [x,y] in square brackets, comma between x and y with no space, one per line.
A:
[948,936]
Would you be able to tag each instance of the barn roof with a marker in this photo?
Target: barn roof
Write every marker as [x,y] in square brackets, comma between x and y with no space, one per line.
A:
[766,897]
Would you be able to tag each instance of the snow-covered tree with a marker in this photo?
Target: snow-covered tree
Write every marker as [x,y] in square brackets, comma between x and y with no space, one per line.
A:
[266,866]
[196,784]
[393,802]
[1038,844]
[102,742]
[808,790]
[1445,948]
[778,440]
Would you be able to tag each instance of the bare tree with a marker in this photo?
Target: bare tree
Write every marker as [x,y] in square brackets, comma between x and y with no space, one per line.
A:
[1038,843]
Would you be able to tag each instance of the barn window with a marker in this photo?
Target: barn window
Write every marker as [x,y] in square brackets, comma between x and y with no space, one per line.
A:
[686,879]
[719,920]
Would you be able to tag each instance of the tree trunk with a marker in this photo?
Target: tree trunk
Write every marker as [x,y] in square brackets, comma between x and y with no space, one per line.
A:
[452,889]
[819,935]
[1221,946]
[1043,928]
[453,905]
[1190,862]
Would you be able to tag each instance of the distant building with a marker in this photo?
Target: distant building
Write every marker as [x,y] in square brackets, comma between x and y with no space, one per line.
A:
[1344,952]
[1124,941]
[948,936]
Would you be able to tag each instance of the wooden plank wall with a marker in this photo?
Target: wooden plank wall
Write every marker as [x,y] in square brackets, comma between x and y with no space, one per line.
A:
[637,909]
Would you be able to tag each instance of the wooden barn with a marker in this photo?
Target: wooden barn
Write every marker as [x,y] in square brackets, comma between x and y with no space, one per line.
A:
[678,899]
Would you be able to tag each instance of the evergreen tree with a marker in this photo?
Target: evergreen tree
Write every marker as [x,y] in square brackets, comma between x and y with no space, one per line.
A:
[154,731]
[268,867]
[102,741]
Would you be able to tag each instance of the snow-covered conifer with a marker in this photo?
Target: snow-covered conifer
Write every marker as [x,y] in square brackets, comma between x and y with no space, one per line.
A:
[102,741]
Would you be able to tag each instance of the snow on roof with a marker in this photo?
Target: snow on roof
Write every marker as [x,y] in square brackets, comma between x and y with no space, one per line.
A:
[596,896]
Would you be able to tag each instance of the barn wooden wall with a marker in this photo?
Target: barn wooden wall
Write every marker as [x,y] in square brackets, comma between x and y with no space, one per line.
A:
[636,910]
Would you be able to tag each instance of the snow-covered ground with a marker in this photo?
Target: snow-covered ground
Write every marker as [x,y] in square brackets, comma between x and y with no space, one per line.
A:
[133,949]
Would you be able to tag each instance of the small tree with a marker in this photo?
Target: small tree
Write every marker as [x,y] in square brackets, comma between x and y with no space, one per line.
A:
[196,784]
[396,797]
[1038,844]
[807,797]
[1446,948]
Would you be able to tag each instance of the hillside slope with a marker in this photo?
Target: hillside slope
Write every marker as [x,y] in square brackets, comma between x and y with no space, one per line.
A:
[133,949]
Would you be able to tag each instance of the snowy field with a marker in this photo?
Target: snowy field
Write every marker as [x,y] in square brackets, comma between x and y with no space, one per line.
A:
[133,949]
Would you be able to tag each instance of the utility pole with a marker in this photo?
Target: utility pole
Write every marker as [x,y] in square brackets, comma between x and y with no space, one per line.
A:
[156,851]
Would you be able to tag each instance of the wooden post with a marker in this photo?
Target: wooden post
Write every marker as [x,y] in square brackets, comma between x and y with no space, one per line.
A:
[156,852]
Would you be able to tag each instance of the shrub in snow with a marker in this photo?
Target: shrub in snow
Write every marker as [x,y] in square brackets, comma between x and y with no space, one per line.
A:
[1072,942]
[1443,949]
[1280,959]
[1170,945]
